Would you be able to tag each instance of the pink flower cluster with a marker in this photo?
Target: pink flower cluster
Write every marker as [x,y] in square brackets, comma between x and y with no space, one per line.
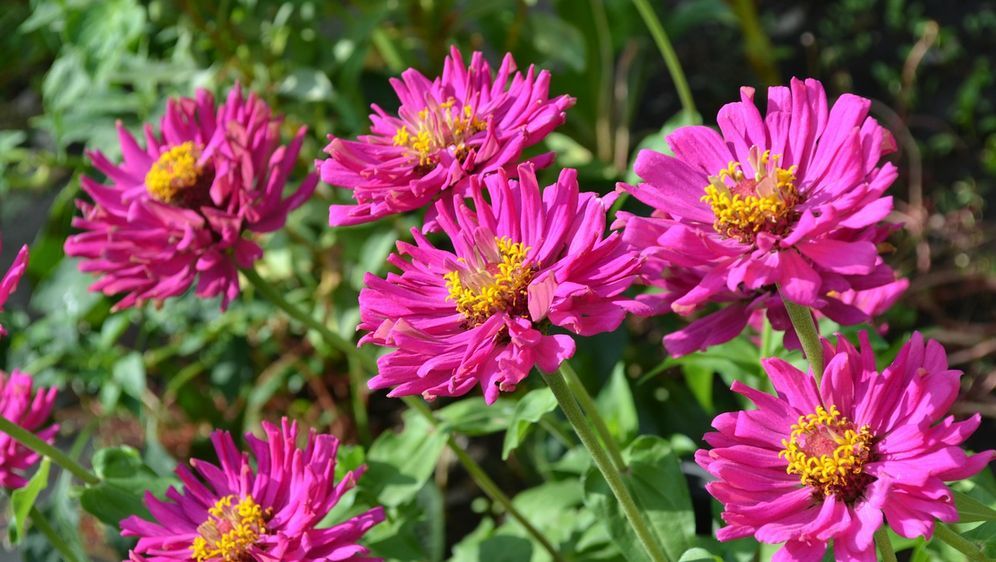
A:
[788,204]
[29,408]
[10,279]
[467,122]
[522,258]
[178,211]
[819,463]
[266,510]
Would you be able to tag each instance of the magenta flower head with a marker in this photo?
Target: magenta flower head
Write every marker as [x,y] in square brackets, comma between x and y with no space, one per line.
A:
[10,279]
[522,259]
[267,511]
[179,210]
[28,408]
[812,464]
[792,199]
[467,122]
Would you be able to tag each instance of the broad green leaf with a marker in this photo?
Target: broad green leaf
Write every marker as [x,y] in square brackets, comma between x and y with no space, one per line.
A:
[125,479]
[528,412]
[472,417]
[110,502]
[971,509]
[400,463]
[615,402]
[552,508]
[656,482]
[23,499]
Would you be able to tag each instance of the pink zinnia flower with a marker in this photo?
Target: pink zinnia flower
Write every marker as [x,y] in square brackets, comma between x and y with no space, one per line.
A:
[466,122]
[267,511]
[28,409]
[522,259]
[812,464]
[10,279]
[179,209]
[793,199]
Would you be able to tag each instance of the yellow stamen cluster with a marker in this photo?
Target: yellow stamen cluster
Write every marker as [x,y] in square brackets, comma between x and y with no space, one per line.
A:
[480,293]
[174,174]
[439,128]
[230,531]
[765,202]
[828,453]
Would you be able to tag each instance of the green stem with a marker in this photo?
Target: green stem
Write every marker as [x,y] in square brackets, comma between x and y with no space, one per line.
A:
[569,405]
[484,482]
[331,338]
[670,58]
[809,334]
[41,523]
[756,43]
[358,392]
[766,333]
[884,544]
[33,442]
[591,410]
[959,543]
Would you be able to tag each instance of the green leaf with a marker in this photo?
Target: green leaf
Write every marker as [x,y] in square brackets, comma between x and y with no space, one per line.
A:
[129,373]
[528,412]
[615,402]
[472,417]
[124,481]
[656,482]
[110,502]
[699,554]
[971,509]
[400,463]
[23,499]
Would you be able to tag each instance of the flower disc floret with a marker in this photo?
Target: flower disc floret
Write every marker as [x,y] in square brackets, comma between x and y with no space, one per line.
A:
[440,127]
[231,530]
[828,453]
[746,206]
[480,292]
[176,178]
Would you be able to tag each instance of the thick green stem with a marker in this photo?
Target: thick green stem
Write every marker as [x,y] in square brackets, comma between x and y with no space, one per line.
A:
[331,338]
[809,334]
[959,543]
[41,523]
[484,482]
[33,442]
[591,410]
[884,544]
[670,58]
[613,477]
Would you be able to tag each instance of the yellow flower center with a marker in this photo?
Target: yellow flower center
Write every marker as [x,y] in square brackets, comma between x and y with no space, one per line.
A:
[175,178]
[745,206]
[230,531]
[439,127]
[500,284]
[829,452]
